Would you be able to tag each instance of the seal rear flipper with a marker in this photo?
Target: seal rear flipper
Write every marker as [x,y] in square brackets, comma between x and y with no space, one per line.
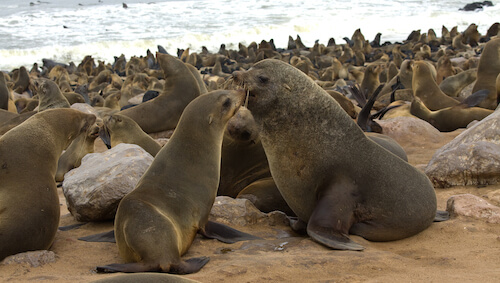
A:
[71,227]
[224,233]
[475,98]
[128,267]
[191,265]
[441,216]
[106,237]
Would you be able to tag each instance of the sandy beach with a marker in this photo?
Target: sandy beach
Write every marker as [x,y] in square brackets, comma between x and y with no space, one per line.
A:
[461,249]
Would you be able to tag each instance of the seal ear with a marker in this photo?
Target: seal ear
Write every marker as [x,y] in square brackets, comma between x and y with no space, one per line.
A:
[210,119]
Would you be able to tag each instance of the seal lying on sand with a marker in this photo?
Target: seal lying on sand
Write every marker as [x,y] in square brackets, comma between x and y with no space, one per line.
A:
[156,223]
[29,205]
[331,175]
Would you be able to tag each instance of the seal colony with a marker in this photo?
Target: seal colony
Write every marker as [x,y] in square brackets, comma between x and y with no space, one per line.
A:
[336,179]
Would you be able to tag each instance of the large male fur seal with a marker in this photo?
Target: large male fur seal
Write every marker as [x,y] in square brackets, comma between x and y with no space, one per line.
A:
[156,223]
[29,205]
[331,175]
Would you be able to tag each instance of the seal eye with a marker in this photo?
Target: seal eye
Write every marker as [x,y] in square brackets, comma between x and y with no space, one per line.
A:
[227,103]
[262,79]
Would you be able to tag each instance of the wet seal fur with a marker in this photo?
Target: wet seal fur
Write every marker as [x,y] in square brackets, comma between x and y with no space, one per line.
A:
[29,205]
[156,223]
[331,175]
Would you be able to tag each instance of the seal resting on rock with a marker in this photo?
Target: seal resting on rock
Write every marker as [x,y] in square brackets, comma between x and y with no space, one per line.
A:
[332,176]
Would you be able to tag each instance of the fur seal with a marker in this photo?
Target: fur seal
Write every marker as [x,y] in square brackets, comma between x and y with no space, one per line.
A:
[156,223]
[28,158]
[163,112]
[82,145]
[4,93]
[453,85]
[244,168]
[331,175]
[50,96]
[122,129]
[23,81]
[487,72]
[450,118]
[425,87]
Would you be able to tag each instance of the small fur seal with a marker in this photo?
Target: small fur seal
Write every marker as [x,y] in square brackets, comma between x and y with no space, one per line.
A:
[331,175]
[156,223]
[122,129]
[82,145]
[28,163]
[425,87]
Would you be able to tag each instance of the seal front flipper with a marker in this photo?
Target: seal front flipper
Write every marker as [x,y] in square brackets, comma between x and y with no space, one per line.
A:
[224,233]
[441,216]
[333,216]
[106,237]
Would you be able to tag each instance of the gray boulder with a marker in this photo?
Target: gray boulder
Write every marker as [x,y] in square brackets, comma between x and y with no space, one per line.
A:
[472,158]
[94,190]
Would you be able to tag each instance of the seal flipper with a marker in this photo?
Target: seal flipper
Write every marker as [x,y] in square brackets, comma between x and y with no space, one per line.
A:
[224,233]
[71,227]
[105,136]
[127,267]
[333,216]
[475,98]
[191,265]
[106,237]
[441,216]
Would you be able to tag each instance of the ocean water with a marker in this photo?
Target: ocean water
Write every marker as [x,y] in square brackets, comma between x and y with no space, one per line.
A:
[67,30]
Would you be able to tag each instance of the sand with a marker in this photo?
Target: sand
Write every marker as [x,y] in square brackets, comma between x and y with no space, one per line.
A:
[459,250]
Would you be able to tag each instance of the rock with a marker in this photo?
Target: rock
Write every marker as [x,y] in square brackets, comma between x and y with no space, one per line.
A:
[242,212]
[85,108]
[494,196]
[94,189]
[136,99]
[472,158]
[473,206]
[34,258]
[409,130]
